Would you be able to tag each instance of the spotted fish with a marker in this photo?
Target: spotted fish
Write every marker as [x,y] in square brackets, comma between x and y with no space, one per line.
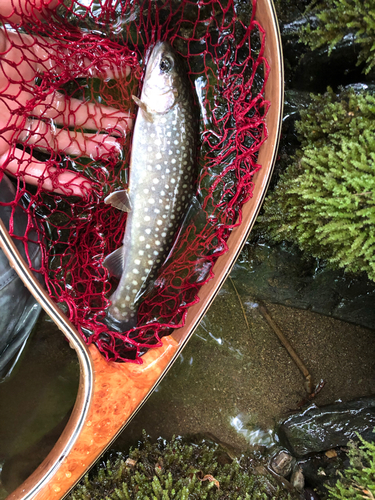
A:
[160,179]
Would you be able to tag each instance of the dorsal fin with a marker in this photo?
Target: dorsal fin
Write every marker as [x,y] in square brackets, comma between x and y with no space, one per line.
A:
[114,262]
[120,200]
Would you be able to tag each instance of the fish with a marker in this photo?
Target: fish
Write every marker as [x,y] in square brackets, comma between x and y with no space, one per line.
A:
[161,179]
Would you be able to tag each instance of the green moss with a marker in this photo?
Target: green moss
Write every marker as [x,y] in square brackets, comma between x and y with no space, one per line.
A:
[325,201]
[174,470]
[337,18]
[358,481]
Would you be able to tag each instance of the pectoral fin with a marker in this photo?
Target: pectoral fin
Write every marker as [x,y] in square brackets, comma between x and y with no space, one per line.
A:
[114,262]
[120,200]
[144,108]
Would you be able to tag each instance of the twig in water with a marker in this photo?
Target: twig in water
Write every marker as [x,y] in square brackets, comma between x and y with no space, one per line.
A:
[285,342]
[241,305]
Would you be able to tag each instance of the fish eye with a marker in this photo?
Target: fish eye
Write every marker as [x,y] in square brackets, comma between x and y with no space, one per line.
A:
[166,64]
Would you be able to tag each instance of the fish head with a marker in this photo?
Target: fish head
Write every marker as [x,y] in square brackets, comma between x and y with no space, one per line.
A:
[162,79]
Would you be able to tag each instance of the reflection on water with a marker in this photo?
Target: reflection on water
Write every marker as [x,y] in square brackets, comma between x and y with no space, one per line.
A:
[35,403]
[254,436]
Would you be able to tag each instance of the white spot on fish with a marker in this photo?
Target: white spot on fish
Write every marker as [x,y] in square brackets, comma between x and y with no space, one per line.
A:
[135,290]
[173,160]
[147,217]
[176,142]
[158,156]
[155,181]
[148,231]
[158,167]
[164,235]
[135,271]
[145,191]
[135,282]
[173,181]
[141,238]
[157,242]
[150,262]
[159,222]
[157,211]
[137,261]
[170,152]
[141,252]
[148,246]
[151,201]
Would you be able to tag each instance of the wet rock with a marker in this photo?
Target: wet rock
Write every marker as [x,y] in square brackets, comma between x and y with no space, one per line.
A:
[282,463]
[314,70]
[319,429]
[284,275]
[321,471]
[297,479]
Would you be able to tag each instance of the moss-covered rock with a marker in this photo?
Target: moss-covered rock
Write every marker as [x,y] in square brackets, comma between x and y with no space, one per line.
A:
[325,200]
[338,19]
[175,470]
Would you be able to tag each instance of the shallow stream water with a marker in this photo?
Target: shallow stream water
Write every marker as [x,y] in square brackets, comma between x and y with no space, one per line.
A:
[232,382]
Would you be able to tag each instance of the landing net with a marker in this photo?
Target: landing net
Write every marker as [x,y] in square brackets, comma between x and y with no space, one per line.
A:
[64,160]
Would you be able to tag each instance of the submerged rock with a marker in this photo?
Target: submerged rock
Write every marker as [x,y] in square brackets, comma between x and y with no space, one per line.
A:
[282,463]
[319,429]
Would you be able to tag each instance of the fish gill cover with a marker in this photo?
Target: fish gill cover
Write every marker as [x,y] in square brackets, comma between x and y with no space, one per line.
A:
[222,46]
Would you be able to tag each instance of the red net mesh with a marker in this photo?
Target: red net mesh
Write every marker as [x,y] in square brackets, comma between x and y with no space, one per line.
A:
[94,51]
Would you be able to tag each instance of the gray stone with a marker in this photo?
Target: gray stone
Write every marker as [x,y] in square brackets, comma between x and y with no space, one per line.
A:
[297,479]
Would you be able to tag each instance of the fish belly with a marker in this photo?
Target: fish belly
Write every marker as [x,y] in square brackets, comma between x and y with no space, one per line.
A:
[160,188]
